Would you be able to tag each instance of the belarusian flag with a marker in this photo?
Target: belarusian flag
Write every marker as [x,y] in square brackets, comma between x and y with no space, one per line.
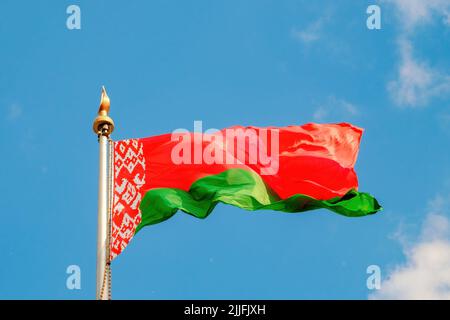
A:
[288,169]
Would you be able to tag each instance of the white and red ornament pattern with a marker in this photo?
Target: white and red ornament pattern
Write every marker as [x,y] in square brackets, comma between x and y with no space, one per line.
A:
[129,177]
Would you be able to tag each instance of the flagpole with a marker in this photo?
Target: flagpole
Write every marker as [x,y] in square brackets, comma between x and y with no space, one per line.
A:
[103,127]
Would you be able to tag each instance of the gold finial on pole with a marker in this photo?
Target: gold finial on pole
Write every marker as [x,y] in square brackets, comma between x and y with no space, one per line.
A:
[103,124]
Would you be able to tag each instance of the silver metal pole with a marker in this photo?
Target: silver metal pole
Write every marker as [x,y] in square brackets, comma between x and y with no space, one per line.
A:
[102,227]
[103,127]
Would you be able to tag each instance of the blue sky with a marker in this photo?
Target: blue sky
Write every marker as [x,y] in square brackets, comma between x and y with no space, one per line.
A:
[168,63]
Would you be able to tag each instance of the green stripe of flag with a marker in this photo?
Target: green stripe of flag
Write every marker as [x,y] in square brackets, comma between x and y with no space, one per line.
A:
[244,189]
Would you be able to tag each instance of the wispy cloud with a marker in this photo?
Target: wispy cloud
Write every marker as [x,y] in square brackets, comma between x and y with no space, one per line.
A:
[416,83]
[335,109]
[426,273]
[310,33]
[413,13]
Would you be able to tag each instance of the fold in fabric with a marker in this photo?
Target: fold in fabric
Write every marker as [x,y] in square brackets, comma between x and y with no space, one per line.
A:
[243,189]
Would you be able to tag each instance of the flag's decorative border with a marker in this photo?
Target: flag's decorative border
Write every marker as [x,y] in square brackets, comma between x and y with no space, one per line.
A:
[129,177]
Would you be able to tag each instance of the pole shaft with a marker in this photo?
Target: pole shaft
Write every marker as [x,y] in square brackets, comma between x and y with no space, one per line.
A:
[103,126]
[102,228]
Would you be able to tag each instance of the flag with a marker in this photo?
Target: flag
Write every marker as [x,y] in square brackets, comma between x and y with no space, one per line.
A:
[288,169]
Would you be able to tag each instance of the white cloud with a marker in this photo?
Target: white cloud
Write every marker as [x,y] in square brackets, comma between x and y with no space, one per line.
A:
[306,36]
[413,13]
[311,33]
[426,273]
[335,109]
[416,82]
